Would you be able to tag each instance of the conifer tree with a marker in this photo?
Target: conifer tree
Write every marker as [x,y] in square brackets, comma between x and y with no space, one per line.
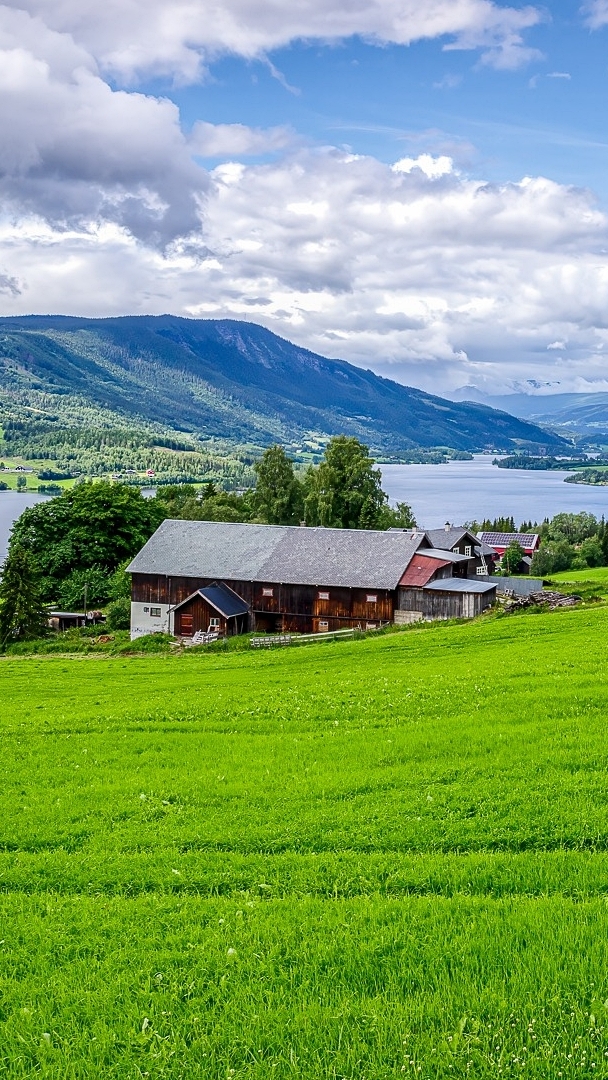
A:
[23,613]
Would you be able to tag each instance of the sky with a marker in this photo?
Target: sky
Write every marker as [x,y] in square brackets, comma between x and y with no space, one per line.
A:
[417,186]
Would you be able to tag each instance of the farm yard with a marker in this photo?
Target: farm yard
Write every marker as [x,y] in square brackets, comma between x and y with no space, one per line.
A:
[360,860]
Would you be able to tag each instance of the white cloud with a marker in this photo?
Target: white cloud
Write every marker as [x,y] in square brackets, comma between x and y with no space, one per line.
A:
[436,281]
[430,166]
[559,75]
[71,148]
[228,140]
[559,345]
[596,13]
[145,36]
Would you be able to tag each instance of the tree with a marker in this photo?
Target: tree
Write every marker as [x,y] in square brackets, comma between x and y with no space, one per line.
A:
[345,490]
[399,516]
[209,504]
[21,482]
[95,524]
[278,494]
[552,557]
[23,613]
[120,583]
[590,553]
[512,557]
[572,527]
[72,590]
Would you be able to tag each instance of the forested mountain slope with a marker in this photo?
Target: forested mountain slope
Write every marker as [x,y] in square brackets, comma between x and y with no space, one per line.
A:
[238,381]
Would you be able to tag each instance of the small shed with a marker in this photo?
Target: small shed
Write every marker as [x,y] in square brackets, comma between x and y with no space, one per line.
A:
[449,598]
[214,607]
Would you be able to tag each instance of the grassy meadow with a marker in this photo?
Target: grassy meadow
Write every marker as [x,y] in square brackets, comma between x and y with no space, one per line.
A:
[358,860]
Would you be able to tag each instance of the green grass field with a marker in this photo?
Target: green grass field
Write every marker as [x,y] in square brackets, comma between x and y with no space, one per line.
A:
[361,860]
[598,574]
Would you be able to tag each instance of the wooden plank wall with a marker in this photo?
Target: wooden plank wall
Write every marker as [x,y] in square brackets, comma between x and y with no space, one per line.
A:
[289,608]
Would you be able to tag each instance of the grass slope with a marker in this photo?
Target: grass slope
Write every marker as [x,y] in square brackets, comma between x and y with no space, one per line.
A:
[361,860]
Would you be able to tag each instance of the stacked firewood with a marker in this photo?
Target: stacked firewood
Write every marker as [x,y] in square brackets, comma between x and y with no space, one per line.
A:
[548,599]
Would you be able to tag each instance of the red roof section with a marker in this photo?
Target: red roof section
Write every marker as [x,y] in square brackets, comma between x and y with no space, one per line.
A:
[421,570]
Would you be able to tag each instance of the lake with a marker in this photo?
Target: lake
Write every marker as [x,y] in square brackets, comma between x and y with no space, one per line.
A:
[473,490]
[457,492]
[12,504]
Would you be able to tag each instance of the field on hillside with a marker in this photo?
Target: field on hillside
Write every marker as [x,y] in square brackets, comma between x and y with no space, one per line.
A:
[365,860]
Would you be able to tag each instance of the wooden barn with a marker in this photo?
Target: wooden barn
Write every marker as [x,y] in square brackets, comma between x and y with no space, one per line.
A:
[231,577]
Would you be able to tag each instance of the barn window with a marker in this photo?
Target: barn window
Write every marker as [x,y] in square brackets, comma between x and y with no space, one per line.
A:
[267,592]
[480,570]
[467,550]
[323,624]
[371,598]
[155,612]
[214,622]
[323,596]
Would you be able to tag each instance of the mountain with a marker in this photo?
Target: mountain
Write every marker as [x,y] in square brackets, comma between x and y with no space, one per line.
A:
[583,413]
[238,381]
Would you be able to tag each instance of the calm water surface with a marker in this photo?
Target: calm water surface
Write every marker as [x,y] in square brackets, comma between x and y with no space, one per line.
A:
[474,490]
[12,505]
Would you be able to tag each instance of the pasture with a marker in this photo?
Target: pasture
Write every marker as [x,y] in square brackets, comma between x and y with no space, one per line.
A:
[359,860]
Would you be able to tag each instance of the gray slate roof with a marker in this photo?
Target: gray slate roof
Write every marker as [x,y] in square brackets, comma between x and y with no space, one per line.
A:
[291,555]
[460,585]
[448,538]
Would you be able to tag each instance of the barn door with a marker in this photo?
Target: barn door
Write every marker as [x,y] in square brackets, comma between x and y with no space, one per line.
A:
[186,625]
[468,605]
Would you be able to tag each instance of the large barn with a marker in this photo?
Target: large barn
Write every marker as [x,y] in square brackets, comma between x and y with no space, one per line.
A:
[202,575]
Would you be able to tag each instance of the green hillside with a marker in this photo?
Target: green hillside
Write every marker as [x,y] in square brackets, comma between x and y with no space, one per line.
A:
[235,381]
[376,859]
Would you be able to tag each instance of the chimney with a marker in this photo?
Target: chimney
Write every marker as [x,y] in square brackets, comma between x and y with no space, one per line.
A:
[447,526]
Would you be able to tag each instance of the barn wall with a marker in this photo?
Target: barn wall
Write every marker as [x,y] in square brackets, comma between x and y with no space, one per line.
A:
[295,608]
[433,605]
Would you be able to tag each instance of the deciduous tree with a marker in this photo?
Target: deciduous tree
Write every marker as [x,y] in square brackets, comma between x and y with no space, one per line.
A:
[93,525]
[278,495]
[345,491]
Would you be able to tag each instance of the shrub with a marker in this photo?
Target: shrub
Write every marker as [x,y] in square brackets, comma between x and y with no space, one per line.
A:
[119,614]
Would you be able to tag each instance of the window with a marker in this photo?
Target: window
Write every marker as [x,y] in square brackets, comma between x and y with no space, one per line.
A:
[371,598]
[267,592]
[155,612]
[480,571]
[323,596]
[214,622]
[323,624]
[467,550]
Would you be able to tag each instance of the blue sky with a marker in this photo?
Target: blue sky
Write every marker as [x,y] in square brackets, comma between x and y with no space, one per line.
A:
[419,188]
[547,116]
